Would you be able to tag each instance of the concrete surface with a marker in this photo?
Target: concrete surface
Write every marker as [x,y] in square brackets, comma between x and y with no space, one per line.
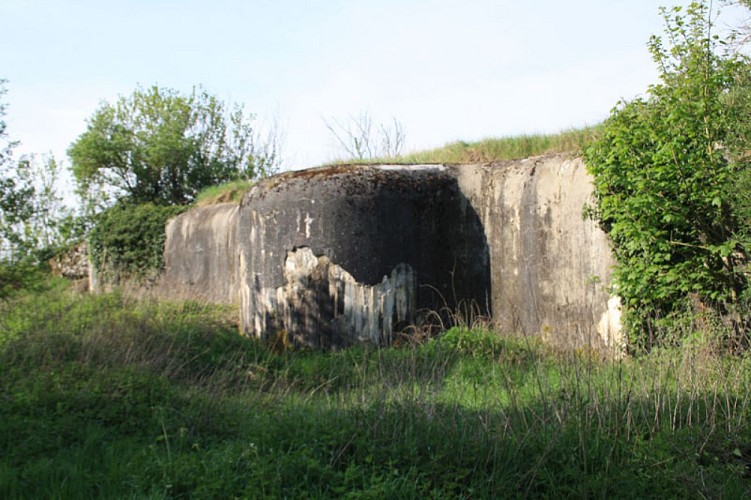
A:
[368,221]
[201,256]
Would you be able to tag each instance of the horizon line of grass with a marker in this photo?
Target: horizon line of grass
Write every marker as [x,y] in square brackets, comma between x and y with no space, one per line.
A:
[492,149]
[516,147]
[507,148]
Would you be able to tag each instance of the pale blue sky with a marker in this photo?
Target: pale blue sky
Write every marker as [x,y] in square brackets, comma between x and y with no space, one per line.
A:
[448,70]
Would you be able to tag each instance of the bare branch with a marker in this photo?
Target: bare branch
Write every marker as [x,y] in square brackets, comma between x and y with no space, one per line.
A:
[359,139]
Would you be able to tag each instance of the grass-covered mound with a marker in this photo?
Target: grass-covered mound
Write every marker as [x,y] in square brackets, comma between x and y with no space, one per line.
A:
[102,396]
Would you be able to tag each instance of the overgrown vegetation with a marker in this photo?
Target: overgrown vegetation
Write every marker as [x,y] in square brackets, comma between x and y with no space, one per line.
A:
[496,149]
[107,397]
[33,222]
[127,241]
[671,175]
[155,152]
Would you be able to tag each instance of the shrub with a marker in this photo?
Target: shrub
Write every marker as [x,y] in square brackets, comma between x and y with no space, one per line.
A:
[127,241]
[664,179]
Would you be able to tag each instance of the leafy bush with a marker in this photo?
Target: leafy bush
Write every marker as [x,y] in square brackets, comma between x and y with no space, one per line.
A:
[127,241]
[16,277]
[665,177]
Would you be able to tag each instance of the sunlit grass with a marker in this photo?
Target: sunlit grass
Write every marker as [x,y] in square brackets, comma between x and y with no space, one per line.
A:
[507,148]
[224,193]
[497,149]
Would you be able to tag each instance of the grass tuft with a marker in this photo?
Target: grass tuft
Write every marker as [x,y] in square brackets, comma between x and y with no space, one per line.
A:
[229,192]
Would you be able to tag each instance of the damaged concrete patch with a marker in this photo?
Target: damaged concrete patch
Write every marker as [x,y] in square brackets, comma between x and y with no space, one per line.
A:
[360,224]
[610,329]
[322,305]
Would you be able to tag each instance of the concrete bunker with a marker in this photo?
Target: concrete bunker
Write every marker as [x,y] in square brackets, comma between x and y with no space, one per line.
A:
[336,255]
[342,254]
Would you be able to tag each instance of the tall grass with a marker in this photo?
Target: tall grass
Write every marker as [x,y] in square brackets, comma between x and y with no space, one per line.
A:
[107,397]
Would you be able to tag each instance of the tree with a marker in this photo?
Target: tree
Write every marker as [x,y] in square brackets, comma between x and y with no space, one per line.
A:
[49,224]
[14,200]
[6,145]
[360,139]
[34,221]
[163,147]
[666,171]
[24,211]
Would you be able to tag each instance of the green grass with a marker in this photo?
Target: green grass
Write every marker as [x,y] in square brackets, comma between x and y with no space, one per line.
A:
[103,396]
[507,148]
[497,149]
[223,193]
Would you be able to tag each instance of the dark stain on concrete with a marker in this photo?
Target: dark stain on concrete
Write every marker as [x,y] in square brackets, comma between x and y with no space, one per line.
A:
[369,220]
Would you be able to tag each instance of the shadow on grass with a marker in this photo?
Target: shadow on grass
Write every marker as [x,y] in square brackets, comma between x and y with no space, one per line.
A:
[100,397]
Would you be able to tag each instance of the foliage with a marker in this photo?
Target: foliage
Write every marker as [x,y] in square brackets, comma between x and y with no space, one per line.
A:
[163,147]
[111,397]
[13,200]
[665,171]
[39,224]
[34,222]
[18,277]
[127,241]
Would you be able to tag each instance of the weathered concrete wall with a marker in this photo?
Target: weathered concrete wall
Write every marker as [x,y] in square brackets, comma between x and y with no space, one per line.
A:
[394,235]
[322,305]
[201,255]
[549,266]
